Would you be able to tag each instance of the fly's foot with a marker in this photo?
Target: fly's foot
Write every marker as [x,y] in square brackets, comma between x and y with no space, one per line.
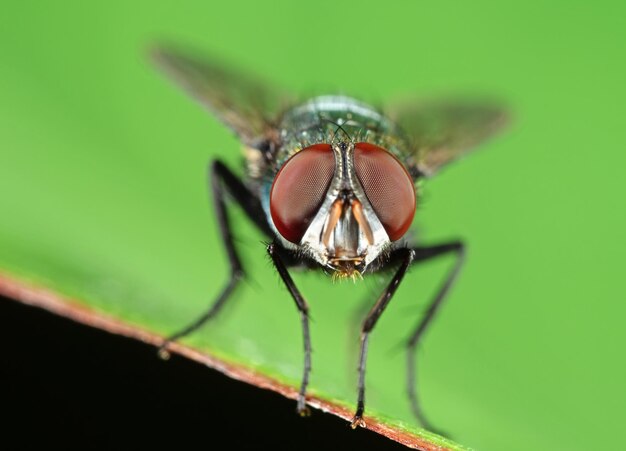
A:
[357,421]
[163,352]
[302,409]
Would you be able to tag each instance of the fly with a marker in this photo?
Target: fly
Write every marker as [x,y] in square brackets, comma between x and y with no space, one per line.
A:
[334,184]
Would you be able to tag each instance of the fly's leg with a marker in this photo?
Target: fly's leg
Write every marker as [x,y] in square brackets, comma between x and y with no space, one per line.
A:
[222,181]
[273,250]
[423,254]
[406,256]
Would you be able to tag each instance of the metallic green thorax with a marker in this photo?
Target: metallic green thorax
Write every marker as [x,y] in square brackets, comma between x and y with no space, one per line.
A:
[318,121]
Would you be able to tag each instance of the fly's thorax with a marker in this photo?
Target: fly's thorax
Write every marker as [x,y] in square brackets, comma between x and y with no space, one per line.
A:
[326,119]
[319,203]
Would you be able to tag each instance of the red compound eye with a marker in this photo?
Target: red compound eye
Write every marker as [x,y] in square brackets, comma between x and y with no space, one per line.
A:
[299,190]
[388,187]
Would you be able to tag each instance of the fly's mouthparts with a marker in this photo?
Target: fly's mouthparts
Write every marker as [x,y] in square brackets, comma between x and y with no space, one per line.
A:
[346,268]
[341,274]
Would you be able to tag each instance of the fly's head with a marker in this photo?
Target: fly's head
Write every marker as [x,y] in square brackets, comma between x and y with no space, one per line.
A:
[342,204]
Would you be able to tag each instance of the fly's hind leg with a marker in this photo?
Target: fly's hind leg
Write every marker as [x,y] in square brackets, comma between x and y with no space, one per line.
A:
[423,254]
[221,182]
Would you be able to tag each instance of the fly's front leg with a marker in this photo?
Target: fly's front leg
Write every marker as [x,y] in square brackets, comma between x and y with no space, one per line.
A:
[423,254]
[273,250]
[223,181]
[406,256]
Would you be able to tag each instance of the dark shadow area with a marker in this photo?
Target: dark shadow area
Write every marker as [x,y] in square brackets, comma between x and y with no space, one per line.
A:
[70,385]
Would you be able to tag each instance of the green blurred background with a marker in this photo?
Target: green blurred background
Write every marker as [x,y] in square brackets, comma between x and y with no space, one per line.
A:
[102,194]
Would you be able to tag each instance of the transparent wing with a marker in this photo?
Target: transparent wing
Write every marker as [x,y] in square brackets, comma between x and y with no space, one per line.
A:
[246,105]
[440,132]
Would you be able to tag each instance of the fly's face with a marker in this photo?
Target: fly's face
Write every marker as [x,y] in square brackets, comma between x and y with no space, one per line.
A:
[342,203]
